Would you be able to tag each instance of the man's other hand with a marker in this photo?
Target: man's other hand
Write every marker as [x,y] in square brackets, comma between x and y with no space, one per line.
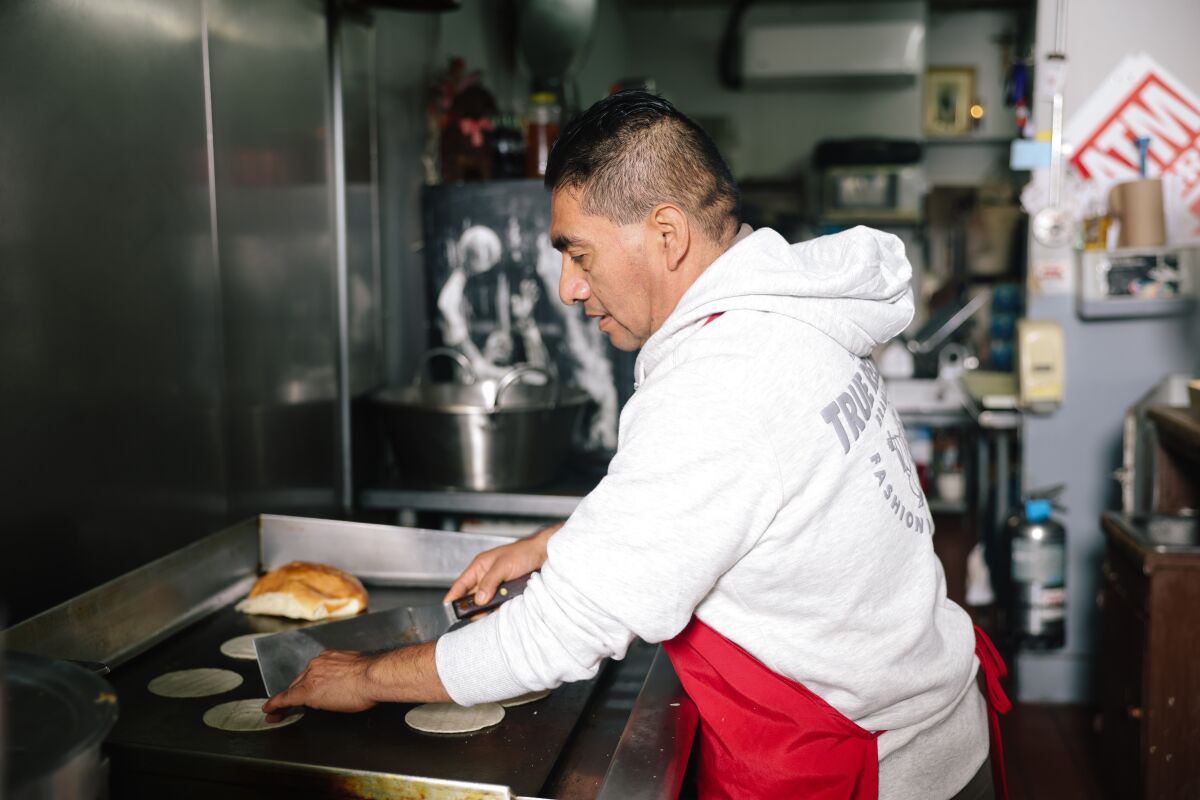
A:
[492,567]
[336,680]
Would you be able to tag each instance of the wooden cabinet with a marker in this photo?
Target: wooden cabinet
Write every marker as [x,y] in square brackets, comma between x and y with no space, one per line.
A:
[1149,669]
[1119,677]
[1176,458]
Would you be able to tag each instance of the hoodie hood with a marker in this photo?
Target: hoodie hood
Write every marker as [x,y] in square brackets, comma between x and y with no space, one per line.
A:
[853,286]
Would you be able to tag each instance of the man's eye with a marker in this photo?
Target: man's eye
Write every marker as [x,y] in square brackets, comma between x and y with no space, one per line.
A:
[577,259]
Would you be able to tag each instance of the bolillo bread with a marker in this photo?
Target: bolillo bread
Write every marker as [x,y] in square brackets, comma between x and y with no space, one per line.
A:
[303,590]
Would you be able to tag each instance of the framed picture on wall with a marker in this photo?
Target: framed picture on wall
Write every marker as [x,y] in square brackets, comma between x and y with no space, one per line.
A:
[949,92]
[492,276]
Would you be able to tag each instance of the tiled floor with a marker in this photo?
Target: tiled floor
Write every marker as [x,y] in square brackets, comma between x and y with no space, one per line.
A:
[1051,753]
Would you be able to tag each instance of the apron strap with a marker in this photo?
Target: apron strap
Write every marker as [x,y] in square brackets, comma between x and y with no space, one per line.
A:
[997,703]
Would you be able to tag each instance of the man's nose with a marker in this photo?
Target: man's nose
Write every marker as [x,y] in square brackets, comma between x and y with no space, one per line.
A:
[572,286]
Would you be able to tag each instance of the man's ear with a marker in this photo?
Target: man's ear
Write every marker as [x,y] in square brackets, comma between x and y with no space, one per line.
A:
[672,233]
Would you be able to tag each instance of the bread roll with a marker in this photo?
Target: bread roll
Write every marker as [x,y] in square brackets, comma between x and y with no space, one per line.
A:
[302,590]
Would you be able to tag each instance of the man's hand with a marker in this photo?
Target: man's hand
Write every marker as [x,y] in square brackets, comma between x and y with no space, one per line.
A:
[336,680]
[492,567]
[339,680]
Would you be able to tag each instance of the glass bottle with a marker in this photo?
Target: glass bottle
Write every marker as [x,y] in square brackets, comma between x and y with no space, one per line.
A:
[541,131]
[508,148]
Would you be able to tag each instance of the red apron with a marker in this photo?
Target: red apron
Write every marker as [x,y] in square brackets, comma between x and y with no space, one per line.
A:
[765,736]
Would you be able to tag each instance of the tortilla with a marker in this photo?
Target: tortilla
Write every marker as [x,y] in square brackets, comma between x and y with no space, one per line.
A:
[451,718]
[244,715]
[525,699]
[195,683]
[241,647]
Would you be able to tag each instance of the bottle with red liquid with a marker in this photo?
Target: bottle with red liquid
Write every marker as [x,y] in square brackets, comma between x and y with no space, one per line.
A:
[541,130]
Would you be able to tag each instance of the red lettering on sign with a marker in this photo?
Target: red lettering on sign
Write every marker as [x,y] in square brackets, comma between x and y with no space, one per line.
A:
[1153,110]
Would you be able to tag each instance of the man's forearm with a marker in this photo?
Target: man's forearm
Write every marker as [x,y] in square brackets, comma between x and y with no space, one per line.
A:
[407,675]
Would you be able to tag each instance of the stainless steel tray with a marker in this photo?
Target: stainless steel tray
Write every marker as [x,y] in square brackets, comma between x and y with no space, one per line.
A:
[126,616]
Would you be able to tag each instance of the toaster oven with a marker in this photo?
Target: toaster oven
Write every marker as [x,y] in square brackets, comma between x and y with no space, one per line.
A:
[872,193]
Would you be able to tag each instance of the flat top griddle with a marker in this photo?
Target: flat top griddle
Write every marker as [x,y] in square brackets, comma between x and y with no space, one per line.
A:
[518,753]
[605,739]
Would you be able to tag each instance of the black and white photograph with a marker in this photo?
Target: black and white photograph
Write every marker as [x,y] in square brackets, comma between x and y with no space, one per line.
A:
[493,277]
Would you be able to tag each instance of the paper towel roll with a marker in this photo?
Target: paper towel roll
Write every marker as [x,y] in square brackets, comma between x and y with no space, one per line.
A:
[1138,207]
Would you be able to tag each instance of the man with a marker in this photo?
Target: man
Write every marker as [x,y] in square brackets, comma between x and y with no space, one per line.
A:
[754,518]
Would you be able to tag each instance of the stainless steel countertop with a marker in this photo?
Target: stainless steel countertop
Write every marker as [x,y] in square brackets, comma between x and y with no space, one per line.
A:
[448,501]
[556,500]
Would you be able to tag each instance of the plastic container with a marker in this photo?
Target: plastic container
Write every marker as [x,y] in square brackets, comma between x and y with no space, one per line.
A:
[541,129]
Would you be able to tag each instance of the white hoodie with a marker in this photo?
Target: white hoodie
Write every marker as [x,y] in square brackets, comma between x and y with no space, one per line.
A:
[762,482]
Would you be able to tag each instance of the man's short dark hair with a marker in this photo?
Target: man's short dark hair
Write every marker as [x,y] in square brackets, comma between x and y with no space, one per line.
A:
[633,150]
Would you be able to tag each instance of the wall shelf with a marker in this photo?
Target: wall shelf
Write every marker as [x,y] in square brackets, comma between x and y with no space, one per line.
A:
[958,141]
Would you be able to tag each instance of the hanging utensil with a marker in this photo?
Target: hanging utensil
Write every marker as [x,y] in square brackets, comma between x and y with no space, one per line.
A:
[1053,226]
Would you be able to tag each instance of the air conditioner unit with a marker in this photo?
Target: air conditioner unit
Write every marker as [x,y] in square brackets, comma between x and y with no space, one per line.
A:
[867,53]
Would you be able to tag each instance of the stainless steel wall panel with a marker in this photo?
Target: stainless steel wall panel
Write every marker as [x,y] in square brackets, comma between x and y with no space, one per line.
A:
[167,595]
[274,214]
[364,324]
[110,346]
[362,223]
[406,44]
[168,298]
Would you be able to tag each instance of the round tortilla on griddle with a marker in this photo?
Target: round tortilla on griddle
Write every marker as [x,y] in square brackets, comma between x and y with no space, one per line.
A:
[451,718]
[195,683]
[529,697]
[241,647]
[244,715]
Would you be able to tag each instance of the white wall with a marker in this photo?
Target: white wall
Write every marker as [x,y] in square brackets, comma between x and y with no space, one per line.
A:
[1109,364]
[766,132]
[774,129]
[967,39]
[1101,32]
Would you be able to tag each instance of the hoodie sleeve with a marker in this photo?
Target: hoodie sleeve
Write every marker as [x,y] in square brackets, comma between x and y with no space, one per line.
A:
[692,488]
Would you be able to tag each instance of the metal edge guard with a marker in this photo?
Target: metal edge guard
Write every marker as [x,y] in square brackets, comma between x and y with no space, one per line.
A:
[117,620]
[652,755]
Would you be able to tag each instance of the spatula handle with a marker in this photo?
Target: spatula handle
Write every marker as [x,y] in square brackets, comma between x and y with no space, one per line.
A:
[467,607]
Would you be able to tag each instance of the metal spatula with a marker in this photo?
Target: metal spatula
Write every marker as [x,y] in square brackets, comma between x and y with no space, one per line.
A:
[283,656]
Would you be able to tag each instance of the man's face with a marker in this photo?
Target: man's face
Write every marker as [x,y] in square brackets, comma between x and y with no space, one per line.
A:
[604,267]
